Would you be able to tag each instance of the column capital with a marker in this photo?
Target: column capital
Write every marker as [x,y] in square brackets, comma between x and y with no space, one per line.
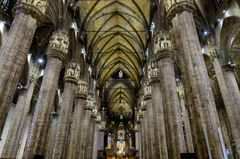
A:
[173,8]
[102,126]
[23,90]
[89,103]
[228,67]
[212,49]
[72,72]
[143,106]
[147,92]
[153,72]
[58,45]
[34,73]
[163,46]
[82,87]
[35,8]
[180,89]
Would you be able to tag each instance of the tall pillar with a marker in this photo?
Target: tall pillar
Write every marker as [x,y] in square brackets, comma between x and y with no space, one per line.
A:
[89,148]
[80,100]
[96,137]
[150,117]
[71,77]
[159,125]
[136,138]
[50,147]
[185,119]
[228,90]
[12,141]
[86,122]
[15,133]
[179,14]
[139,138]
[164,56]
[56,53]
[143,129]
[102,128]
[28,16]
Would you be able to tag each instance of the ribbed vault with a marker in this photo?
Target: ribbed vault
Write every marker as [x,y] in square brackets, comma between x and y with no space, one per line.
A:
[116,33]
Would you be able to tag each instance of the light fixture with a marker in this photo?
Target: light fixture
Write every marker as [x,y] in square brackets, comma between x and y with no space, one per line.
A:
[40,60]
[224,11]
[218,20]
[205,33]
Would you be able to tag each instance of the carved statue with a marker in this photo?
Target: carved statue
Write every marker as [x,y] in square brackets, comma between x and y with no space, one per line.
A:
[149,71]
[59,41]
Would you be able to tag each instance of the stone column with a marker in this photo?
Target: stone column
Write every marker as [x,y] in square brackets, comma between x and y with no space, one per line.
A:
[28,15]
[96,137]
[139,137]
[19,117]
[159,125]
[222,118]
[12,141]
[89,148]
[86,122]
[24,135]
[185,119]
[7,127]
[50,147]
[71,77]
[150,117]
[80,102]
[102,128]
[143,130]
[231,103]
[164,56]
[136,138]
[56,53]
[179,14]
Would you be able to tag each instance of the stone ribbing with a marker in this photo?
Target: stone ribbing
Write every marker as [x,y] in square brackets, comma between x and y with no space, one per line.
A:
[64,117]
[185,32]
[14,52]
[12,138]
[172,108]
[160,133]
[185,119]
[85,130]
[80,102]
[42,115]
[50,146]
[15,132]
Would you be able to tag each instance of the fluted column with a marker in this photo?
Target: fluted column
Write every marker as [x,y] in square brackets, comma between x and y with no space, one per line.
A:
[158,116]
[85,128]
[151,122]
[96,137]
[28,15]
[185,119]
[179,14]
[56,53]
[231,103]
[50,147]
[12,141]
[15,133]
[72,73]
[80,102]
[164,56]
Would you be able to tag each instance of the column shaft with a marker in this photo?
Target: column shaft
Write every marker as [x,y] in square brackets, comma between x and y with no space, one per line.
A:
[64,118]
[50,146]
[13,138]
[80,101]
[95,142]
[89,149]
[143,150]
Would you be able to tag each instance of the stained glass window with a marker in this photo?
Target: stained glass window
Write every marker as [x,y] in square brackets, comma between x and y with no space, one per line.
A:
[121,116]
[121,134]
[218,3]
[5,4]
[120,74]
[109,142]
[130,115]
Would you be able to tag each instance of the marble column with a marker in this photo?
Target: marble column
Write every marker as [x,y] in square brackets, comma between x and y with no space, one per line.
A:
[7,127]
[158,116]
[150,117]
[231,103]
[164,56]
[179,15]
[89,148]
[139,138]
[50,147]
[85,128]
[80,102]
[71,77]
[12,141]
[96,137]
[143,132]
[102,128]
[19,117]
[42,114]
[14,51]
[136,138]
[185,119]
